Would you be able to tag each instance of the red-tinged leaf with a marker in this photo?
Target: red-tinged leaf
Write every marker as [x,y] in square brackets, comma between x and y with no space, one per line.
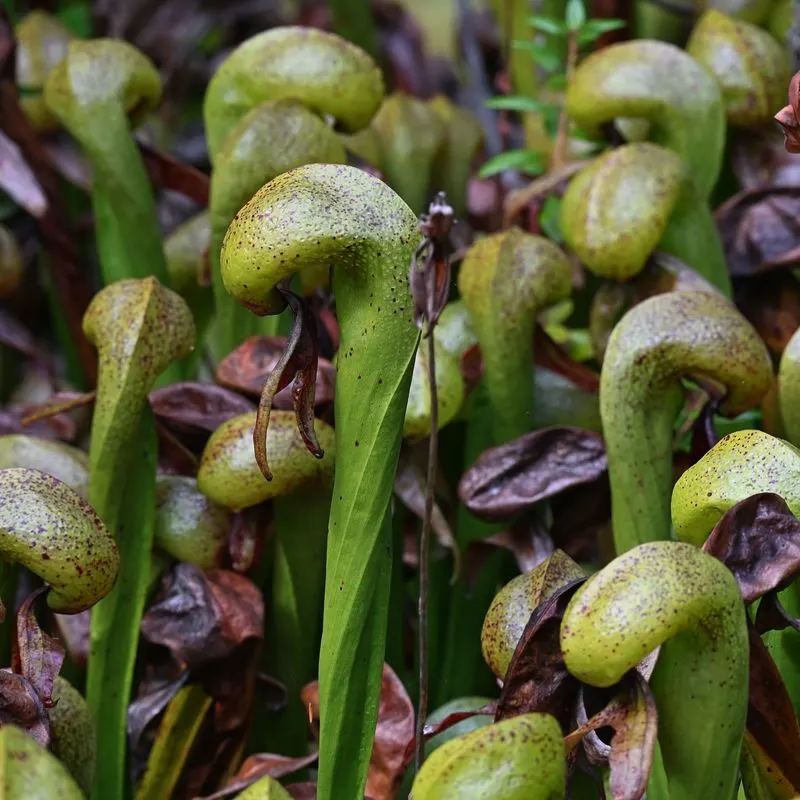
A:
[789,117]
[511,478]
[247,368]
[168,172]
[395,729]
[552,356]
[772,616]
[771,721]
[21,705]
[18,181]
[760,229]
[259,766]
[197,408]
[537,678]
[302,791]
[203,616]
[759,541]
[36,655]
[634,717]
[244,540]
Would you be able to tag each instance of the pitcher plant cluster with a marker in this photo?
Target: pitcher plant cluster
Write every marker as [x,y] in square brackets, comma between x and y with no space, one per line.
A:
[447,448]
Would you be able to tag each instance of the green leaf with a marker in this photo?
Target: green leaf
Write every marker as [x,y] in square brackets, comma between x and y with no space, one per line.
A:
[575,15]
[549,218]
[524,160]
[516,103]
[549,25]
[595,28]
[558,82]
[545,56]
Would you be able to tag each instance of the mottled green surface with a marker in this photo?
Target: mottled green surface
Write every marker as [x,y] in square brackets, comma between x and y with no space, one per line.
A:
[518,759]
[29,772]
[323,71]
[634,200]
[189,526]
[656,343]
[513,605]
[661,83]
[11,263]
[265,789]
[139,328]
[73,733]
[42,41]
[753,11]
[63,461]
[410,134]
[328,214]
[674,595]
[506,279]
[48,528]
[742,464]
[561,402]
[789,388]
[230,476]
[752,69]
[93,91]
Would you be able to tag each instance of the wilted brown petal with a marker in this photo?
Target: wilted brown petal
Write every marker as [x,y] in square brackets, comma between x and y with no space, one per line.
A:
[58,403]
[537,678]
[788,117]
[394,732]
[18,181]
[759,541]
[204,616]
[250,364]
[634,717]
[771,720]
[258,766]
[37,656]
[196,407]
[513,477]
[21,705]
[760,229]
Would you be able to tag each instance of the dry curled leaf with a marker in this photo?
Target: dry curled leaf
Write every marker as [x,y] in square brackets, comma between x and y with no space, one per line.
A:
[192,407]
[634,718]
[771,302]
[21,705]
[789,116]
[759,541]
[394,731]
[511,478]
[537,678]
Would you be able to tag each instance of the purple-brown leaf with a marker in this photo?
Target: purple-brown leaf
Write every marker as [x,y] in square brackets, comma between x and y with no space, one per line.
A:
[537,678]
[194,407]
[21,705]
[759,541]
[511,478]
[259,766]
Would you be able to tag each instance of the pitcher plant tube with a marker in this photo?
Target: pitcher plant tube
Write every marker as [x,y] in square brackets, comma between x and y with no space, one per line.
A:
[663,85]
[301,493]
[505,280]
[98,91]
[328,214]
[139,328]
[269,108]
[789,388]
[673,595]
[658,342]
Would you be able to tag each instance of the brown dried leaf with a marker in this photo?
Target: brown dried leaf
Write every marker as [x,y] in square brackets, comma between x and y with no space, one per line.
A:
[36,655]
[204,616]
[168,172]
[303,791]
[58,427]
[772,616]
[759,158]
[247,368]
[634,717]
[395,729]
[771,721]
[56,404]
[760,229]
[771,303]
[144,710]
[759,541]
[789,116]
[21,705]
[537,678]
[511,478]
[259,766]
[74,632]
[195,407]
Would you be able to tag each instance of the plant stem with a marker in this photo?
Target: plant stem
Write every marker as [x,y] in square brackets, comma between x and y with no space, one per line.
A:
[559,155]
[424,547]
